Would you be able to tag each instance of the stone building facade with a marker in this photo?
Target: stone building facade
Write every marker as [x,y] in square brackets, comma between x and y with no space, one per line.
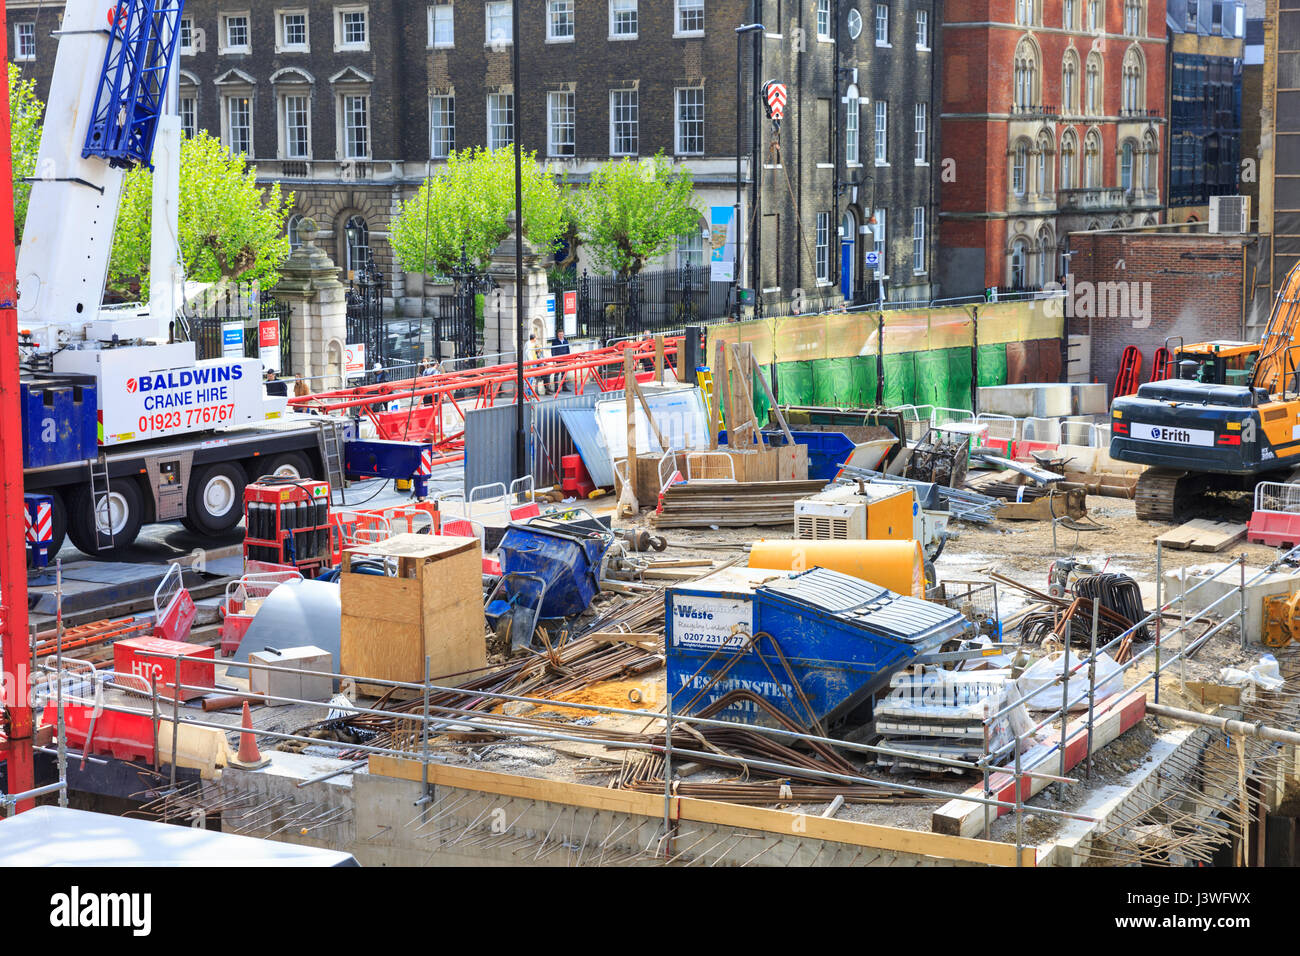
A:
[350,104]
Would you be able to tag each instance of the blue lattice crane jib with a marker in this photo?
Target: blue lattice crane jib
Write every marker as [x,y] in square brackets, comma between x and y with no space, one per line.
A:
[132,91]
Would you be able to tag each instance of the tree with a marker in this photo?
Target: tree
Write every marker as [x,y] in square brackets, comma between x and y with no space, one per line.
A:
[633,211]
[468,202]
[230,228]
[25,112]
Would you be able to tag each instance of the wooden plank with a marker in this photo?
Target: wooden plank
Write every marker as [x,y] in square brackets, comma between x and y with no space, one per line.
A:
[1114,717]
[628,505]
[1210,693]
[715,407]
[643,640]
[1203,534]
[783,822]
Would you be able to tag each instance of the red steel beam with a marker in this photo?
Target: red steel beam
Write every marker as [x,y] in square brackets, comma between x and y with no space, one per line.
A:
[425,422]
[14,649]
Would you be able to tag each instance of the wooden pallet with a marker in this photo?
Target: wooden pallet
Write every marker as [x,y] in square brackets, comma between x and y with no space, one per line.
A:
[1203,535]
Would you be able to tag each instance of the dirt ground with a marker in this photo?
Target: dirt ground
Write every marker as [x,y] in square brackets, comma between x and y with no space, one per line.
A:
[1121,543]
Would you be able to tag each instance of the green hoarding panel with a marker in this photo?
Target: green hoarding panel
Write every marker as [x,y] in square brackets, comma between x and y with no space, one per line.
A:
[794,383]
[900,380]
[759,396]
[832,381]
[931,378]
[959,375]
[992,365]
[863,369]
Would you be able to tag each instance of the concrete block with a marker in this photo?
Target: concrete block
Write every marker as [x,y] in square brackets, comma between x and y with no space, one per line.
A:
[1180,580]
[1047,400]
[298,686]
[1044,400]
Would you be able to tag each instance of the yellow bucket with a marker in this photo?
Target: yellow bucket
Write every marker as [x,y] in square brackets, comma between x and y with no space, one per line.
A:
[897,565]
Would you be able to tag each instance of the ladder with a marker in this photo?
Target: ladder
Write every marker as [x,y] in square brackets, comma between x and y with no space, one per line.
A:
[329,434]
[101,503]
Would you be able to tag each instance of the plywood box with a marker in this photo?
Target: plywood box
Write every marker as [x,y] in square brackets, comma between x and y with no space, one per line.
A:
[432,605]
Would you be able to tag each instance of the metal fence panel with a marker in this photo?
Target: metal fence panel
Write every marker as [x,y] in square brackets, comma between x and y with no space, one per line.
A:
[551,439]
[490,444]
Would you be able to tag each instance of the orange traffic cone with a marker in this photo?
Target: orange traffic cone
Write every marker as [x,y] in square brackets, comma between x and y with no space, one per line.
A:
[249,758]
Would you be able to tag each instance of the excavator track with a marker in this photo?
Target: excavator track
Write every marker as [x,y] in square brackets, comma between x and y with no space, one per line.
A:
[1163,493]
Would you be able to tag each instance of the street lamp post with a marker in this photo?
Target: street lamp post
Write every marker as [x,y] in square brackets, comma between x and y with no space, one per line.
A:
[735,215]
[521,465]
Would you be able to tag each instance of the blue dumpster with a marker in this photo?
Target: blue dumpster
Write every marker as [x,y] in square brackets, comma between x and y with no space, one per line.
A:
[841,639]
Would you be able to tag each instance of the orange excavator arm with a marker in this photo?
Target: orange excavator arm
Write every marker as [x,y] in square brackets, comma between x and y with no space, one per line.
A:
[1277,359]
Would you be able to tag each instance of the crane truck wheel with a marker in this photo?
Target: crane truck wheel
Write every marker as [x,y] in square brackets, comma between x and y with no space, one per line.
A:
[215,503]
[290,464]
[121,511]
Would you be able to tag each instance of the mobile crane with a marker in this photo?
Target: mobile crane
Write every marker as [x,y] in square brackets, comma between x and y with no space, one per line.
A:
[122,424]
[1199,434]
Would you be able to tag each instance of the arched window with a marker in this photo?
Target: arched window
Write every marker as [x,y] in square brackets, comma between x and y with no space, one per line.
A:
[1026,75]
[1070,82]
[1131,93]
[1132,18]
[1020,167]
[1069,159]
[1126,165]
[1019,263]
[1148,161]
[1092,159]
[1043,149]
[852,116]
[1046,258]
[295,222]
[356,244]
[1092,85]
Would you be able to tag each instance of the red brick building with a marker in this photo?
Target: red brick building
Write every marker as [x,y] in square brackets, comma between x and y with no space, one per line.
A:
[1051,123]
[1142,288]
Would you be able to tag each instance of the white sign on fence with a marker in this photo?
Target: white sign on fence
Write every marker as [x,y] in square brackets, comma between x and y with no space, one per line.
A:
[354,360]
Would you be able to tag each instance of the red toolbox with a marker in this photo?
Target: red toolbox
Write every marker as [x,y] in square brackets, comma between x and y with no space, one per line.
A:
[128,659]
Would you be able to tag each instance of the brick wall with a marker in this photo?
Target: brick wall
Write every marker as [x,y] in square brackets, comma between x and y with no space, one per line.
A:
[1191,285]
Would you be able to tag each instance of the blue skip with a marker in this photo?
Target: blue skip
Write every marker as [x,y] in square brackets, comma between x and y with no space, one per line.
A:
[816,644]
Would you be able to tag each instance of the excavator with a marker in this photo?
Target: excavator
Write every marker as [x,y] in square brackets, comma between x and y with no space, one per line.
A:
[1230,420]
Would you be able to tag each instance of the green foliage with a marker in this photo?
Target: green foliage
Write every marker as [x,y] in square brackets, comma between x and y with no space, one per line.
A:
[230,228]
[633,211]
[468,202]
[25,112]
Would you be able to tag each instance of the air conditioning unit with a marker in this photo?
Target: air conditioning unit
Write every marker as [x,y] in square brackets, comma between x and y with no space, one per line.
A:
[1230,215]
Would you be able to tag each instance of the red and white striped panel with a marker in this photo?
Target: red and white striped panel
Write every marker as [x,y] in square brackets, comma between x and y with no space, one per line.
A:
[42,529]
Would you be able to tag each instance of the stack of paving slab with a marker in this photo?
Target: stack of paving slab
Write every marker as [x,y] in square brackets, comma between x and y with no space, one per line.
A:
[934,712]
